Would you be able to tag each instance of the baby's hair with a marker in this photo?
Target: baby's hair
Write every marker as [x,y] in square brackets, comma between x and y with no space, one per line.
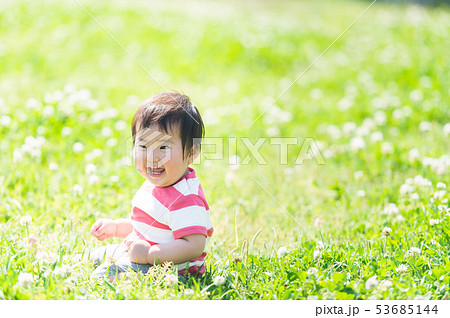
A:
[171,111]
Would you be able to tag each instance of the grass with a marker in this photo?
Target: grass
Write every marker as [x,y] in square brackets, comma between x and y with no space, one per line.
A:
[282,231]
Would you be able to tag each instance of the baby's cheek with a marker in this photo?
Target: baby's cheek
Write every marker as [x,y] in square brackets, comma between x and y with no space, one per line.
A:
[139,158]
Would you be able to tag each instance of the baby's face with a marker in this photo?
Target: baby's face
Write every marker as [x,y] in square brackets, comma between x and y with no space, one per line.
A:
[159,156]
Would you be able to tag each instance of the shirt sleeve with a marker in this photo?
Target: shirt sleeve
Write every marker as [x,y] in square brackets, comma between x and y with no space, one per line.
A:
[188,216]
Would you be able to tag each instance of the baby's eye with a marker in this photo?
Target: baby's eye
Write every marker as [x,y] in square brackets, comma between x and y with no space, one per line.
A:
[142,147]
[164,147]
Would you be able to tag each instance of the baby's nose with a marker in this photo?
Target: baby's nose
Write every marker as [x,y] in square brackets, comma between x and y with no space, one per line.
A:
[153,156]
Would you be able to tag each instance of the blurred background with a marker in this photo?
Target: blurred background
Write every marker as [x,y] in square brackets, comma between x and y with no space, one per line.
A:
[73,73]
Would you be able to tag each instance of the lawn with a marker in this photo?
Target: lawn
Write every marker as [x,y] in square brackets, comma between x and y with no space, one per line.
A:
[324,184]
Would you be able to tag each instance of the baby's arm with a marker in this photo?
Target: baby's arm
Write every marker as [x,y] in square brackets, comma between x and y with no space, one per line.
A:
[106,228]
[179,251]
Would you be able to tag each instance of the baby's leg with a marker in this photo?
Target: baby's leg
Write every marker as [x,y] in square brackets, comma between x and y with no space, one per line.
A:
[113,260]
[108,253]
[111,271]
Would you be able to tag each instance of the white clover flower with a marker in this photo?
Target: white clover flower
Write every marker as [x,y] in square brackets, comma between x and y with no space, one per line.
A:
[328,153]
[93,179]
[111,142]
[32,103]
[219,280]
[114,179]
[447,129]
[320,245]
[77,189]
[83,94]
[386,231]
[107,131]
[120,125]
[316,93]
[345,103]
[439,194]
[53,166]
[281,251]
[362,131]
[25,220]
[5,121]
[385,284]
[348,128]
[398,114]
[407,110]
[33,145]
[25,279]
[369,123]
[391,209]
[421,181]
[358,174]
[46,257]
[414,196]
[104,115]
[48,111]
[380,117]
[312,271]
[434,221]
[62,271]
[402,268]
[96,152]
[171,280]
[334,131]
[434,242]
[441,185]
[69,88]
[70,281]
[78,147]
[361,193]
[372,282]
[317,222]
[376,136]
[357,143]
[414,252]
[414,155]
[289,171]
[406,188]
[229,178]
[273,131]
[387,148]
[188,292]
[425,126]
[277,115]
[90,169]
[66,131]
[317,253]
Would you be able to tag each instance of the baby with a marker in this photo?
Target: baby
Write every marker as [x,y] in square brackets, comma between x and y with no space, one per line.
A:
[170,219]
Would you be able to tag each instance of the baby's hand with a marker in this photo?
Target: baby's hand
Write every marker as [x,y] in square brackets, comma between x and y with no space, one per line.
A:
[138,251]
[104,229]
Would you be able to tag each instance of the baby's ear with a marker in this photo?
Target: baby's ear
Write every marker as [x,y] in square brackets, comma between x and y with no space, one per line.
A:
[193,154]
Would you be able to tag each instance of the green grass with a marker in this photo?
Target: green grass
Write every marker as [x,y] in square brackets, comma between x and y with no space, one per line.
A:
[281,231]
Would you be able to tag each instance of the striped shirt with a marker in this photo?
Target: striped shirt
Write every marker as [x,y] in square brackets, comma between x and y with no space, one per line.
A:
[161,215]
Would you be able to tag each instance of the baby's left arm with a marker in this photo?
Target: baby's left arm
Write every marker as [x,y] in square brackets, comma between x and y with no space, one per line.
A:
[178,251]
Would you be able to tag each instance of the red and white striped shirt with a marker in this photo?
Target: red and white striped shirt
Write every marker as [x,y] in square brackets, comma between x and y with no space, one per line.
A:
[163,214]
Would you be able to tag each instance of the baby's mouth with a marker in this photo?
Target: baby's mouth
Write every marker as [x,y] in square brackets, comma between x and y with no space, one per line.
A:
[155,172]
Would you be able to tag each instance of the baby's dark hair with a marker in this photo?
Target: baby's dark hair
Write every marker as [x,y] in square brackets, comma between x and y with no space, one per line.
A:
[170,111]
